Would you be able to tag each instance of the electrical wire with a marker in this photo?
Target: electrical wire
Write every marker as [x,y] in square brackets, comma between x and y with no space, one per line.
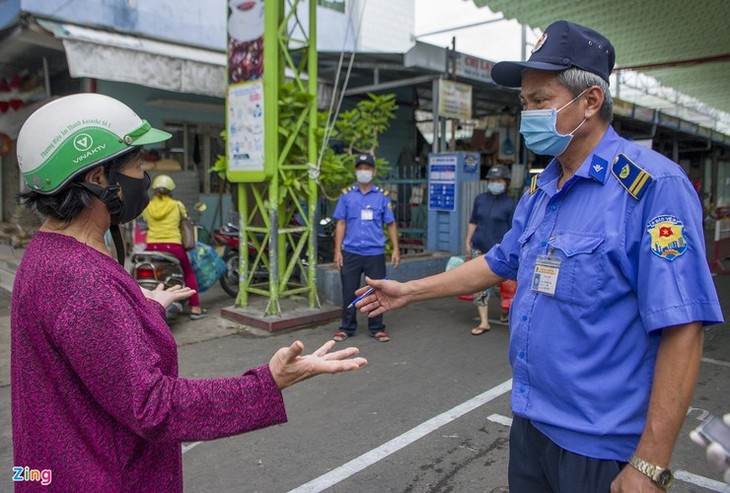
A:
[331,120]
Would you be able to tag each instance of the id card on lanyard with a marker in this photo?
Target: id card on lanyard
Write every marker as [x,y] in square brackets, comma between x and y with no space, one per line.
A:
[545,277]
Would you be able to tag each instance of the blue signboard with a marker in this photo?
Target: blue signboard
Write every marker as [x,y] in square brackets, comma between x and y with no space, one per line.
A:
[442,183]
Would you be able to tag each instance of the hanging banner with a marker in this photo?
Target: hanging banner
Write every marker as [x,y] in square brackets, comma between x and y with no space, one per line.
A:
[245,91]
[454,100]
[246,127]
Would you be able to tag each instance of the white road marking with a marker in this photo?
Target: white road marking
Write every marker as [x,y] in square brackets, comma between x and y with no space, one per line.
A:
[190,446]
[377,454]
[716,362]
[701,481]
[502,420]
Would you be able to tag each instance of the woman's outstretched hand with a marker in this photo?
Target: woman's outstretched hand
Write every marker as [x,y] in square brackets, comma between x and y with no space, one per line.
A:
[288,366]
[167,297]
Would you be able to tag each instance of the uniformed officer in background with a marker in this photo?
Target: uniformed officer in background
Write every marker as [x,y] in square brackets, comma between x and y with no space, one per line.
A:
[608,251]
[361,212]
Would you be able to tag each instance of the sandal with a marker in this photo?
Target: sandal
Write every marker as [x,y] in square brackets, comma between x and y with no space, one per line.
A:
[381,336]
[340,336]
[477,331]
[198,316]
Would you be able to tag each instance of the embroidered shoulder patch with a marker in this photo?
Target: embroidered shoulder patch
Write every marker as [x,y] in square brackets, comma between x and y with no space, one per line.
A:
[667,237]
[634,179]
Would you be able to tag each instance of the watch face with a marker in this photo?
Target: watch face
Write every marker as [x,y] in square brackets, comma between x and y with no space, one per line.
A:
[665,478]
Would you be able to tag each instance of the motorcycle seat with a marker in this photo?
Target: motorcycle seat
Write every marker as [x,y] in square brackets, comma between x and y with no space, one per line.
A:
[154,256]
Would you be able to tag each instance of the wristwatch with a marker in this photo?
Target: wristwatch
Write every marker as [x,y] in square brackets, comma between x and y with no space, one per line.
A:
[664,478]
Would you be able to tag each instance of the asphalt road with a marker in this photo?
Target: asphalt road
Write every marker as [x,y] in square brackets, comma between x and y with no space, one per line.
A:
[429,414]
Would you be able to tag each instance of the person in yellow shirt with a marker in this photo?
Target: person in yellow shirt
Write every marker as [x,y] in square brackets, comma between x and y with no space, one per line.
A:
[163,215]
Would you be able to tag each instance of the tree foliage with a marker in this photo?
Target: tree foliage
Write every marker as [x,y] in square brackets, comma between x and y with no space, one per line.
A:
[355,130]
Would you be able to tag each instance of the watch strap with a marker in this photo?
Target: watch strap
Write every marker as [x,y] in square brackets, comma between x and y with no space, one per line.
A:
[661,476]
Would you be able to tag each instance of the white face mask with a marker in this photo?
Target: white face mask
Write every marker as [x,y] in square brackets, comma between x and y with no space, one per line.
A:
[364,176]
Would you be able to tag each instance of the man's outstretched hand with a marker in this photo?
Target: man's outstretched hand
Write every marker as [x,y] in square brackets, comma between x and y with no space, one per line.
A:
[388,295]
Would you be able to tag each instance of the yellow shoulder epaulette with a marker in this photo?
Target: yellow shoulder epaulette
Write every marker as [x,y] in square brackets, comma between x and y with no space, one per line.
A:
[634,179]
[381,190]
[533,184]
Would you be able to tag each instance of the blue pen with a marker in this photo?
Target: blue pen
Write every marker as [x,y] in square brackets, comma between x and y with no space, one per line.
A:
[363,296]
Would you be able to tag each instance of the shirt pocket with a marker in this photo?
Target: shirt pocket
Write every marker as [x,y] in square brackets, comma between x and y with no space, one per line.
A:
[582,266]
[528,250]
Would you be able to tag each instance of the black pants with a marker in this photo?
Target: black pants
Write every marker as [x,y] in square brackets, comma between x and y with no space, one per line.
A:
[353,266]
[538,465]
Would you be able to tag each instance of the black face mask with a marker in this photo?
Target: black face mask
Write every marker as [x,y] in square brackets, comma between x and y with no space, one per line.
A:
[134,197]
[134,191]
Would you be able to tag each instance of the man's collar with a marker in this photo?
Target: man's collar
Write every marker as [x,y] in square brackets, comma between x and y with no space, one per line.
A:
[373,188]
[595,166]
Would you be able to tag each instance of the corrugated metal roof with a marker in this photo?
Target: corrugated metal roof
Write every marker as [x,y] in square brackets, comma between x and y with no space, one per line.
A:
[645,33]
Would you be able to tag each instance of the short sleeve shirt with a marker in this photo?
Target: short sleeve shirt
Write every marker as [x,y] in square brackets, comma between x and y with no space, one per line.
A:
[627,233]
[492,215]
[365,215]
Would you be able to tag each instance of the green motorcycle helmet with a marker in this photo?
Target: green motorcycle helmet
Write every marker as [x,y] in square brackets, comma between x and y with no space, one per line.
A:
[73,134]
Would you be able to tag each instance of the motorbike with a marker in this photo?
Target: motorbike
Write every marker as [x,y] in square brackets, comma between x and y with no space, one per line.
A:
[151,268]
[228,235]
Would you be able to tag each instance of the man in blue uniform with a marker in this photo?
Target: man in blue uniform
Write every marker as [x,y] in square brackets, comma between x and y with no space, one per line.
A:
[608,251]
[361,212]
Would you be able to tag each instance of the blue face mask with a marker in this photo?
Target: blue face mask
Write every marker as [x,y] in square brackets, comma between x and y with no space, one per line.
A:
[541,136]
[496,188]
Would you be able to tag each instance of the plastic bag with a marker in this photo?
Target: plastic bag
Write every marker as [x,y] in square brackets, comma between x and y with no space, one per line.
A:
[207,265]
[507,292]
[454,262]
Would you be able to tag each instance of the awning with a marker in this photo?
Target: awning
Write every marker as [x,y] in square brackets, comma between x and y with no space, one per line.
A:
[150,63]
[683,44]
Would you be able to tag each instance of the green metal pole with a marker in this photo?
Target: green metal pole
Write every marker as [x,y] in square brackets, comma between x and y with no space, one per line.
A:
[272,17]
[242,298]
[312,149]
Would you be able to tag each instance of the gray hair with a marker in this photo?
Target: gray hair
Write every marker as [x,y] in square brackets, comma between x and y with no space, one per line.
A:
[578,80]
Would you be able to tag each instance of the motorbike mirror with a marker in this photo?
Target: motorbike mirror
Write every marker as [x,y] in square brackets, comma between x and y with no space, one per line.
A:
[200,207]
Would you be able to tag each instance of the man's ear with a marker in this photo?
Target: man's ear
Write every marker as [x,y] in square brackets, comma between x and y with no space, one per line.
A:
[594,97]
[96,176]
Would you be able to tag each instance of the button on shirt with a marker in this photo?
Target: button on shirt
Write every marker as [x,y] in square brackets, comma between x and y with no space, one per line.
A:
[364,236]
[583,359]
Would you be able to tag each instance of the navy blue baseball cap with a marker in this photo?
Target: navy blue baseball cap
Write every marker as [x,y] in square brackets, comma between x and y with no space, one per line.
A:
[365,158]
[563,45]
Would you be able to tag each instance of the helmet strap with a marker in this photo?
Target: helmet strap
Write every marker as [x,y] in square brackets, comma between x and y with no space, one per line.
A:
[110,197]
[118,243]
